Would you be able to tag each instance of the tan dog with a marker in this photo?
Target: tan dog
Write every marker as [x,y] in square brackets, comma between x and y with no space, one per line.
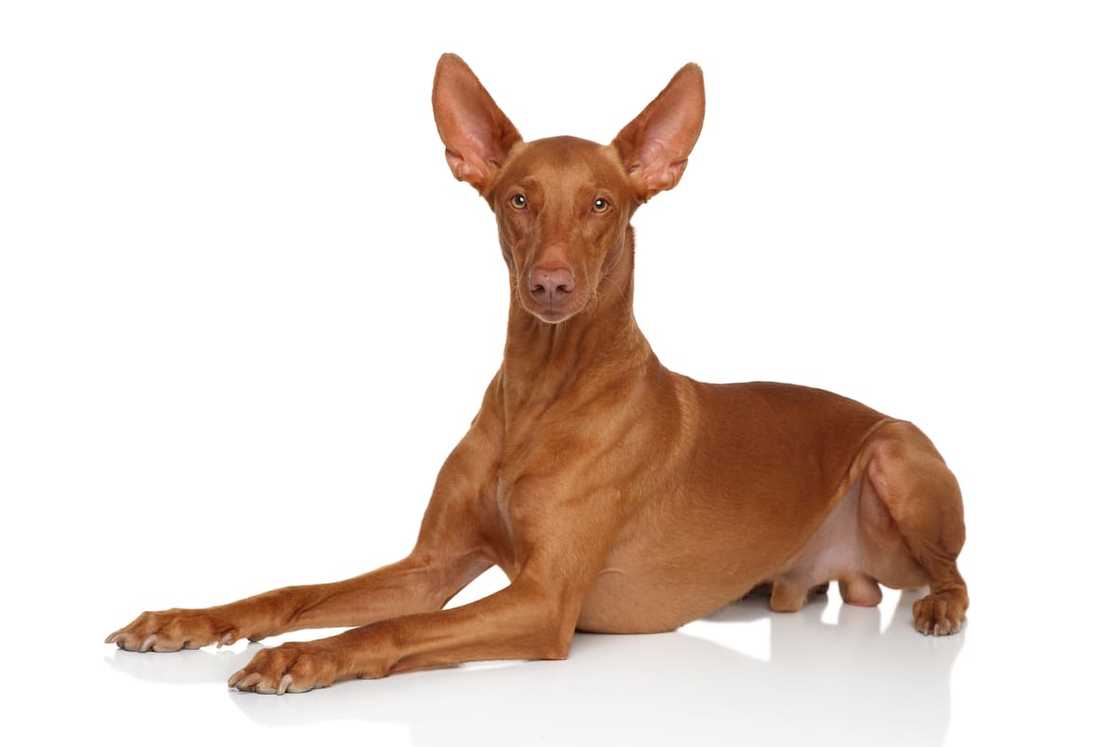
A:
[616,495]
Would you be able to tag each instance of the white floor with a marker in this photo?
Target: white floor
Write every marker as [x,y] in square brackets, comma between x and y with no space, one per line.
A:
[742,675]
[831,674]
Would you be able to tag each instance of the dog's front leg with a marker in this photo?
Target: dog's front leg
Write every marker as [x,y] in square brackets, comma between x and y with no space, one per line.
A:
[523,621]
[534,618]
[419,582]
[450,552]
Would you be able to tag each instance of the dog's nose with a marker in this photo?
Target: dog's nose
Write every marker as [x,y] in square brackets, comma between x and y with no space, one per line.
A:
[551,284]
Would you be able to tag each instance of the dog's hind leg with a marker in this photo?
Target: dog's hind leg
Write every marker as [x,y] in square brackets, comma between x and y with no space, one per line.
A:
[923,498]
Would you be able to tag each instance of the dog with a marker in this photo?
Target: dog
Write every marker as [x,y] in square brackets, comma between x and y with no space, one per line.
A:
[618,496]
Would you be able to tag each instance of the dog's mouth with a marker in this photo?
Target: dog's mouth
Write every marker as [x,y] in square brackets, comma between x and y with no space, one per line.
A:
[554,313]
[552,316]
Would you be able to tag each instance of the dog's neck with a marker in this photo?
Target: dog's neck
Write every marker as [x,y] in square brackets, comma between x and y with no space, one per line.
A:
[597,347]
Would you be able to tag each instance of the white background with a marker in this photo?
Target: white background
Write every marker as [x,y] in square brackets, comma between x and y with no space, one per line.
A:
[245,312]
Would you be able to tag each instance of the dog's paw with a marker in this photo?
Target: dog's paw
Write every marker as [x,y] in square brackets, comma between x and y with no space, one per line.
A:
[173,630]
[938,614]
[291,667]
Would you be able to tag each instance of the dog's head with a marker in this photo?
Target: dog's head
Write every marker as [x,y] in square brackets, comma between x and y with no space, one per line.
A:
[563,204]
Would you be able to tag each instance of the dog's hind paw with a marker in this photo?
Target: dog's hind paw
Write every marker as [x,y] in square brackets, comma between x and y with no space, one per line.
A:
[938,614]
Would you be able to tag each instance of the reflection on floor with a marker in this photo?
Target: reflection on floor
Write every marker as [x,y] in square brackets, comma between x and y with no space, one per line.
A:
[845,683]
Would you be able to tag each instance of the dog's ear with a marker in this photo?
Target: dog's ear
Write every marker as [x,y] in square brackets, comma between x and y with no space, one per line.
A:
[477,135]
[654,147]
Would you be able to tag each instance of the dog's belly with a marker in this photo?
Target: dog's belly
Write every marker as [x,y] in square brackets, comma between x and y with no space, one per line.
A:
[768,487]
[857,544]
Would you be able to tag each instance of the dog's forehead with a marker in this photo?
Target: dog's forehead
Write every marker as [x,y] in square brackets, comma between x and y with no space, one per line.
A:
[566,163]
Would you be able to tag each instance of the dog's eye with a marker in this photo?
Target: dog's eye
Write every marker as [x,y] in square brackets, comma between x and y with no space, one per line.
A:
[600,205]
[519,201]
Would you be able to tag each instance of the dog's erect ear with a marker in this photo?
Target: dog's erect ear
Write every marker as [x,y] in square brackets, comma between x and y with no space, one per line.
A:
[654,147]
[478,136]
